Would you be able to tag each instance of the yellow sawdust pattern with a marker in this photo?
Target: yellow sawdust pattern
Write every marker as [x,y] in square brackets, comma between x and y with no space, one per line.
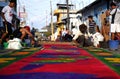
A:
[115,60]
[3,60]
[112,58]
[31,49]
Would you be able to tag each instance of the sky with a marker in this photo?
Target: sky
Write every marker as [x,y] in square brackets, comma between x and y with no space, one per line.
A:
[38,11]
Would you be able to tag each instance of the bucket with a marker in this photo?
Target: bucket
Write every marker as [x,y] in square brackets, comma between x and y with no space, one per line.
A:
[5,44]
[113,44]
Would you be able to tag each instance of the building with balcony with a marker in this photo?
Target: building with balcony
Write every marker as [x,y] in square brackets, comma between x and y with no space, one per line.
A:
[61,14]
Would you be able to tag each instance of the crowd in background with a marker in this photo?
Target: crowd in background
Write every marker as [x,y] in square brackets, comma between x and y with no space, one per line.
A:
[89,34]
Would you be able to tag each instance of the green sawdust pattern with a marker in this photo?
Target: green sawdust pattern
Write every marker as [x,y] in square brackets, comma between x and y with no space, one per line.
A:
[17,57]
[62,60]
[110,59]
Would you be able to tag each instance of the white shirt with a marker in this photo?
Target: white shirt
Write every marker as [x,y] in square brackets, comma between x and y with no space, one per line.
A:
[77,35]
[8,13]
[74,31]
[117,16]
[80,33]
[64,32]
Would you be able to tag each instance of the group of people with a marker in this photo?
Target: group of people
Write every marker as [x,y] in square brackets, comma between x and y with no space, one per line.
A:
[66,35]
[90,34]
[87,35]
[10,31]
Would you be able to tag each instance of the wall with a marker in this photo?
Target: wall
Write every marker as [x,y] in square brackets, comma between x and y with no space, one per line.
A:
[95,10]
[98,9]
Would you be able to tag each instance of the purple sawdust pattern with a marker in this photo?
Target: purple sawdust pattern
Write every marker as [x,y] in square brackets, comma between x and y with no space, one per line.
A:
[50,76]
[117,65]
[32,66]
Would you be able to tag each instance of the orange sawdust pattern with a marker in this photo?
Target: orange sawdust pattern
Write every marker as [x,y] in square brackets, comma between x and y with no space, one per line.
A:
[104,54]
[19,53]
[95,50]
[65,50]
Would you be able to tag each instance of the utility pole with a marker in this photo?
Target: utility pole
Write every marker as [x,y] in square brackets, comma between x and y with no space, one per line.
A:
[67,1]
[46,17]
[52,30]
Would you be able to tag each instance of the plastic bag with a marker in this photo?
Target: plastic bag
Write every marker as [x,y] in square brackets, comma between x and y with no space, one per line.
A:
[97,37]
[14,44]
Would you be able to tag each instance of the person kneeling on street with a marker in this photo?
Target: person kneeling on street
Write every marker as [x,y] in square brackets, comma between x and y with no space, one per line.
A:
[24,33]
[82,38]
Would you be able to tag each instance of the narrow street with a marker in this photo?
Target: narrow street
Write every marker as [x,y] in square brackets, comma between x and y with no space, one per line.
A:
[60,60]
[60,39]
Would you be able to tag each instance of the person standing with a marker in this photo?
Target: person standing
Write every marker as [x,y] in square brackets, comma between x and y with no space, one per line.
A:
[115,21]
[7,16]
[105,30]
[91,24]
